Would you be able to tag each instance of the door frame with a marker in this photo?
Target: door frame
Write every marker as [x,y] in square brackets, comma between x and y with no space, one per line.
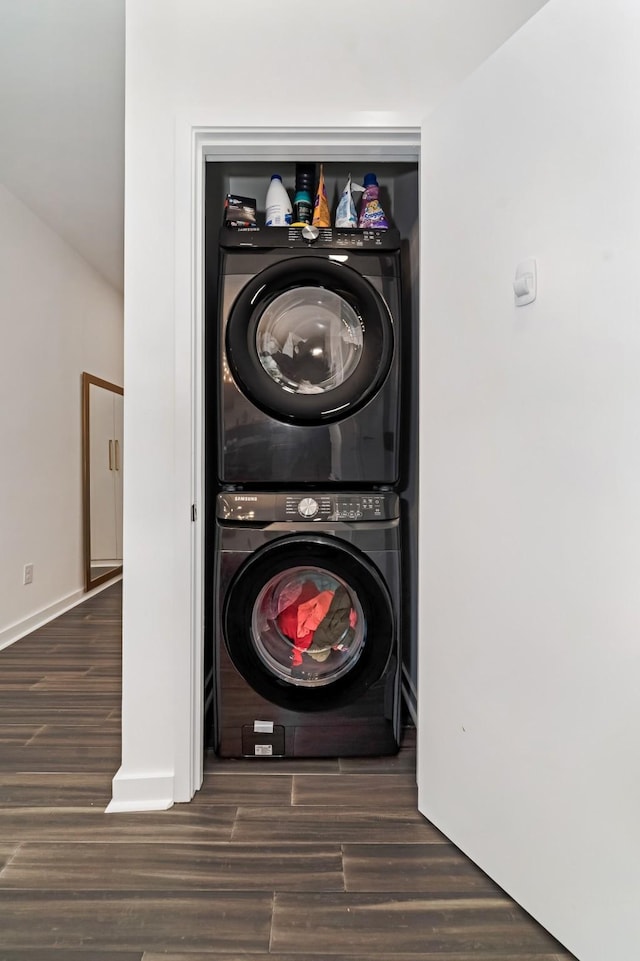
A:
[195,143]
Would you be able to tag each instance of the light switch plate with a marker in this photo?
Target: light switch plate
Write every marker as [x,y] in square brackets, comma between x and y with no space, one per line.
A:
[525,285]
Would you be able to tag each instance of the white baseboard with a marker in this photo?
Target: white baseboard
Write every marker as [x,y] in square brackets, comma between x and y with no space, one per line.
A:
[140,792]
[15,631]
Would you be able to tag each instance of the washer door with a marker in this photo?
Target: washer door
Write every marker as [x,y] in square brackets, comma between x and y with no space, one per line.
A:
[309,340]
[308,622]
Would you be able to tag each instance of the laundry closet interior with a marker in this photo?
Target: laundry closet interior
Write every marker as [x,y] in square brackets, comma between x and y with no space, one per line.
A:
[338,534]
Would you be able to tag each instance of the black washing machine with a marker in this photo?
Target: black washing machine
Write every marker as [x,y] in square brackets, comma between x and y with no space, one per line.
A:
[308,356]
[307,591]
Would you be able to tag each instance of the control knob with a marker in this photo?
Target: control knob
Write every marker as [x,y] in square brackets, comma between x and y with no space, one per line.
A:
[308,507]
[310,233]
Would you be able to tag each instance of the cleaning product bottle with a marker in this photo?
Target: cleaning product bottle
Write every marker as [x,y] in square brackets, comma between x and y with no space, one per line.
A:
[303,202]
[321,215]
[305,176]
[302,208]
[278,204]
[346,213]
[371,213]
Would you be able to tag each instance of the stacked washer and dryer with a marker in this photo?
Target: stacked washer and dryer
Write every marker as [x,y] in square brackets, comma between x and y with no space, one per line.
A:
[307,553]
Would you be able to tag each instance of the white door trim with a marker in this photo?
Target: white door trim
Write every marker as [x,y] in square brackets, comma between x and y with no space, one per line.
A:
[195,144]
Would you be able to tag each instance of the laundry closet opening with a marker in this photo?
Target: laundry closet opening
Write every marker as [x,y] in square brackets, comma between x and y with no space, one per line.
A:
[242,176]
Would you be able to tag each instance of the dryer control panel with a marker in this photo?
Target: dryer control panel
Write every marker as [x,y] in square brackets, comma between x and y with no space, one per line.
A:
[250,507]
[357,238]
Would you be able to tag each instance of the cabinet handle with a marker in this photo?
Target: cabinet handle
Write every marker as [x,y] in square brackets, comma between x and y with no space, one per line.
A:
[110,455]
[117,454]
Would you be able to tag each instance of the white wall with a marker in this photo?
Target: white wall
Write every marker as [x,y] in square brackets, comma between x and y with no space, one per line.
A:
[530,674]
[183,62]
[58,318]
[529,746]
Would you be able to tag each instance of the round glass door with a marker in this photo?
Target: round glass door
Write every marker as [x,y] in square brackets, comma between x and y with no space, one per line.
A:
[307,626]
[308,623]
[309,340]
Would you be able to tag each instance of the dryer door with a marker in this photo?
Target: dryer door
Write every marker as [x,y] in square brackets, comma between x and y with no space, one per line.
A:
[309,340]
[308,622]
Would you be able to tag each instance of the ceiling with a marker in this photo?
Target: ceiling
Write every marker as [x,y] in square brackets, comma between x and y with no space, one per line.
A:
[62,107]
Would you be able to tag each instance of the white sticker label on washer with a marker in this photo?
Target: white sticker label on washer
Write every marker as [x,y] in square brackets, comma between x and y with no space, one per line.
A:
[263,727]
[263,750]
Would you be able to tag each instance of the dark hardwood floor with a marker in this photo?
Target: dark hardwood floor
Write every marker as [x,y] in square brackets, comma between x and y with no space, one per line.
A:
[283,861]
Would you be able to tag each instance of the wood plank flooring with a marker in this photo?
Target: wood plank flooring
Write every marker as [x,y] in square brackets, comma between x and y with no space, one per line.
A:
[289,861]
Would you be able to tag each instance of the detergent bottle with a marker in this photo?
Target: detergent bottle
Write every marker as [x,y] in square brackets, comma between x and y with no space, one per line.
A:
[371,213]
[278,205]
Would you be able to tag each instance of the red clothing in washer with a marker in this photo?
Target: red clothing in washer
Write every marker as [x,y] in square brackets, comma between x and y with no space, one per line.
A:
[311,612]
[287,621]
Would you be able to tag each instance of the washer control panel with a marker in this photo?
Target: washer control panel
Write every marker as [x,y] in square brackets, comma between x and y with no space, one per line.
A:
[300,507]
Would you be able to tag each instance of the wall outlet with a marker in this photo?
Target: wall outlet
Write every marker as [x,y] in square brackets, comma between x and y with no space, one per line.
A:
[28,574]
